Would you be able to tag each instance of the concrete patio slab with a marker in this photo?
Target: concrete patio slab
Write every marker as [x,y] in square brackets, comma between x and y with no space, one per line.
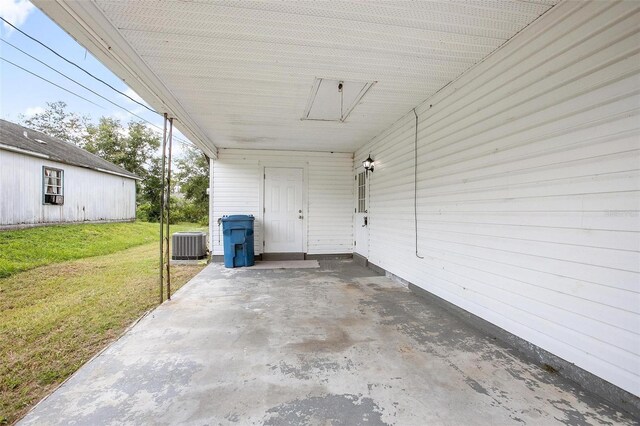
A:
[336,345]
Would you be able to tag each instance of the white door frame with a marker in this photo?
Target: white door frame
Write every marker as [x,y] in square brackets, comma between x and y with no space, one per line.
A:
[262,165]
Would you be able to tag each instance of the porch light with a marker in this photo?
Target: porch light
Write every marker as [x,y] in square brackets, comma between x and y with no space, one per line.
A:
[368,164]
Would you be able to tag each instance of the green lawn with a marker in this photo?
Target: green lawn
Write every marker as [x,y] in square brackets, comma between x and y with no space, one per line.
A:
[54,318]
[25,249]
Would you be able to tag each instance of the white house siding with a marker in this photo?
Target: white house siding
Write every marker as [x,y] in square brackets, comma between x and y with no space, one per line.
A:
[528,189]
[328,195]
[89,195]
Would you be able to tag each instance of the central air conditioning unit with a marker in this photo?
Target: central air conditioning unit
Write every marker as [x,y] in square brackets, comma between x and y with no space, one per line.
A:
[189,245]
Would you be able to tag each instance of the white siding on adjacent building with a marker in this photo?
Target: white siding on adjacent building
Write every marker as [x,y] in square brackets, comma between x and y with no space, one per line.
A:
[328,195]
[89,195]
[528,189]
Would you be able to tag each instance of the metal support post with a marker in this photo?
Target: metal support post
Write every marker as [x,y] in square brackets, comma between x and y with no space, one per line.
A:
[164,145]
[168,206]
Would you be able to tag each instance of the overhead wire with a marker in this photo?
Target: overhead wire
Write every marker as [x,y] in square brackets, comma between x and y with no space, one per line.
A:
[71,79]
[51,82]
[76,65]
[184,142]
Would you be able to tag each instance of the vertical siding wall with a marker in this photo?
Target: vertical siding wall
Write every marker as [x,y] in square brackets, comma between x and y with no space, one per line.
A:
[237,189]
[528,189]
[88,195]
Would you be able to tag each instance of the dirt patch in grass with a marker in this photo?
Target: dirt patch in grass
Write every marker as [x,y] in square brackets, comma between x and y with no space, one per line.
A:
[55,318]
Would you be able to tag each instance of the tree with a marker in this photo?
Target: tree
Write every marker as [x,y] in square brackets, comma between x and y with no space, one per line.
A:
[57,122]
[150,192]
[132,149]
[192,177]
[106,140]
[141,148]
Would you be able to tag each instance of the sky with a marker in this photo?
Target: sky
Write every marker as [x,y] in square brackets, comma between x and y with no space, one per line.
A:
[25,94]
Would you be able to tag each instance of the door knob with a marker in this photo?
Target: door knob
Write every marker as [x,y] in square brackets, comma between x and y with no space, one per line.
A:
[300,217]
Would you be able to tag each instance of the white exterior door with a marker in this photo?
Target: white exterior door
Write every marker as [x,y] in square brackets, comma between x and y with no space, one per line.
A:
[283,213]
[361,216]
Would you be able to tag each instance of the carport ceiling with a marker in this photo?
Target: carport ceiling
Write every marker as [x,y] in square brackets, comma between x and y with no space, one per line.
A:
[243,71]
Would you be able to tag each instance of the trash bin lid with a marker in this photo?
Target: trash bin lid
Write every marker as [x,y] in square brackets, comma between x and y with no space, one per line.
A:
[235,217]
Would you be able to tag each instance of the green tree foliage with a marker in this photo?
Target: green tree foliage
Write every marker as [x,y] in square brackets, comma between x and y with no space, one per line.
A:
[135,149]
[193,180]
[132,149]
[59,123]
[150,192]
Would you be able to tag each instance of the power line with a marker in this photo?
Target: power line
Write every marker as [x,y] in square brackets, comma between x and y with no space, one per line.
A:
[71,79]
[80,96]
[51,82]
[76,65]
[88,73]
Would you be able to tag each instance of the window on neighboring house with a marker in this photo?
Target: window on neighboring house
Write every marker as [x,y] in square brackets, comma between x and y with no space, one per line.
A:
[362,179]
[53,183]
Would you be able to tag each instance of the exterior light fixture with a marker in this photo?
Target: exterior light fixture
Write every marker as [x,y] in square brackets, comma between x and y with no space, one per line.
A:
[368,164]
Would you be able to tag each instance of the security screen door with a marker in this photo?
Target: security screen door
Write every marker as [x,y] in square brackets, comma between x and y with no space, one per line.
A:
[361,216]
[283,213]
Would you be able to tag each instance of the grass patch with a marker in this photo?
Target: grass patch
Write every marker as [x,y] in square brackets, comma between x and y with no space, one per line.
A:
[55,318]
[26,249]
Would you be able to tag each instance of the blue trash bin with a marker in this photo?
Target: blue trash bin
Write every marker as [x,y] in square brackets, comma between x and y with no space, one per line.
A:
[238,240]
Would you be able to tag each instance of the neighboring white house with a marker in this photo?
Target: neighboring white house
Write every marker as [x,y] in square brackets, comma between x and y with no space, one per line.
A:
[44,180]
[505,136]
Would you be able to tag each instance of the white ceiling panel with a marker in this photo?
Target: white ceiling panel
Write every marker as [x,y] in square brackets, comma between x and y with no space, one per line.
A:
[243,70]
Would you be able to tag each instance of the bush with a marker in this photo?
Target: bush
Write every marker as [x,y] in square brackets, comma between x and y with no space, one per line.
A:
[145,212]
[185,211]
[181,211]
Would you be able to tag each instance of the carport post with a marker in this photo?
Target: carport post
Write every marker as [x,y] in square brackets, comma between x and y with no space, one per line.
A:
[168,206]
[164,145]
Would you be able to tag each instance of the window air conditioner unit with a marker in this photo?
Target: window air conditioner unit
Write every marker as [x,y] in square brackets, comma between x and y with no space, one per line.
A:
[54,199]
